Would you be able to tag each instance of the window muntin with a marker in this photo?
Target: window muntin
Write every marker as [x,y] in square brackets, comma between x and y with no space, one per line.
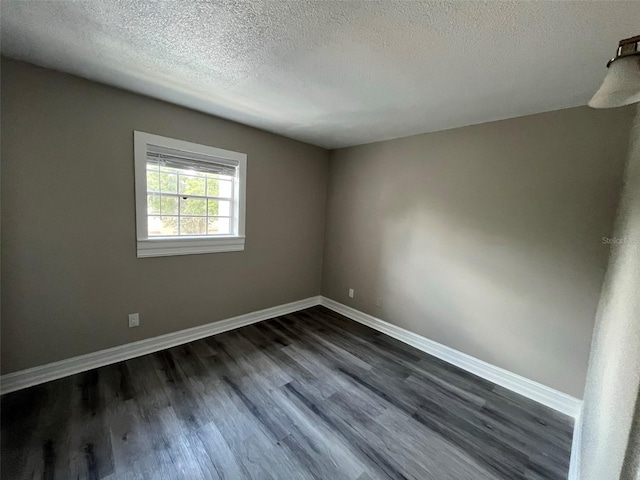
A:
[189,198]
[182,202]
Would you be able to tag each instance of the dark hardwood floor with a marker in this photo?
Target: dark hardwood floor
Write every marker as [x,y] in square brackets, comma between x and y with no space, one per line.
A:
[311,395]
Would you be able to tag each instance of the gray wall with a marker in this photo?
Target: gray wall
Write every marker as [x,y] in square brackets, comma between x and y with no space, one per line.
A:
[613,382]
[70,274]
[487,239]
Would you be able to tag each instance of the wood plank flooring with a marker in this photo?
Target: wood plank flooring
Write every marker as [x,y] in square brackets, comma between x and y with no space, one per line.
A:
[311,395]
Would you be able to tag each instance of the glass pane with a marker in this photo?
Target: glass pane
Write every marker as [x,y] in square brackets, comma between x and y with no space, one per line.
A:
[193,206]
[153,204]
[157,225]
[193,226]
[169,205]
[225,188]
[154,225]
[192,185]
[213,187]
[216,187]
[219,207]
[219,226]
[153,181]
[169,225]
[168,183]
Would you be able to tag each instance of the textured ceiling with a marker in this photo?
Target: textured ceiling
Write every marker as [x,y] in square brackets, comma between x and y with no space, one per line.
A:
[332,73]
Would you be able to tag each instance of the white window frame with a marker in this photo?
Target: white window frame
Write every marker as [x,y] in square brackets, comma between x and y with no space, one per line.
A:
[183,245]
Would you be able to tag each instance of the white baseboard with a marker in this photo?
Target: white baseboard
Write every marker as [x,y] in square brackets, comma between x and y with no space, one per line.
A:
[52,371]
[535,391]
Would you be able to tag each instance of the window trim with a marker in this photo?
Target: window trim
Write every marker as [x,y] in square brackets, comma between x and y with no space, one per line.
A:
[187,245]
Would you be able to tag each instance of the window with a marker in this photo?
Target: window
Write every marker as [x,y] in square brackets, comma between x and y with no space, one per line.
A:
[189,198]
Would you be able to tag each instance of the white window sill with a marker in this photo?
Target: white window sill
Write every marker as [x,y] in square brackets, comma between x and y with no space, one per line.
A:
[164,247]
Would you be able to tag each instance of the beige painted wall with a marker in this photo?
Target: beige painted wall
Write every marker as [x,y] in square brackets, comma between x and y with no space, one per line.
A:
[487,239]
[612,395]
[70,274]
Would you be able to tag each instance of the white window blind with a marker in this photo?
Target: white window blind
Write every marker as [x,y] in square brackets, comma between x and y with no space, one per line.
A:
[179,159]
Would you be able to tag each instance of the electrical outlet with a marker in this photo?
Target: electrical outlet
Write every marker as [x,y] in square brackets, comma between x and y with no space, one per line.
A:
[379,302]
[351,292]
[134,320]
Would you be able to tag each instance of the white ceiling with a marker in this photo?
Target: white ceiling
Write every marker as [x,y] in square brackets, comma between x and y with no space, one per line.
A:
[332,73]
